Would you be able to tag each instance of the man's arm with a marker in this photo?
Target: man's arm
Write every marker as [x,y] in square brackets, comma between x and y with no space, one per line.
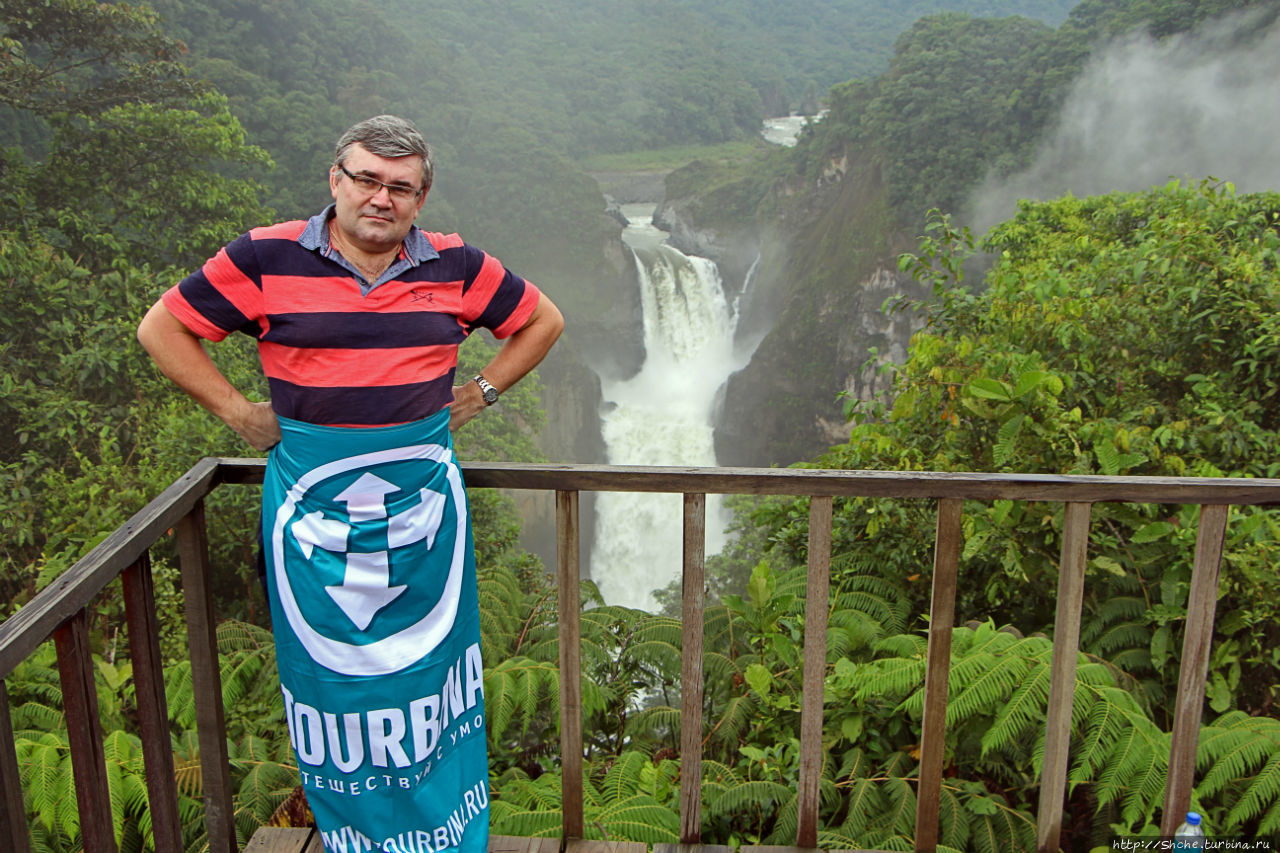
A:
[178,353]
[519,354]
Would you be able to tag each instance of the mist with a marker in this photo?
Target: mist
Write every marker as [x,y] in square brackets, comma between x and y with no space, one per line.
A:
[1194,106]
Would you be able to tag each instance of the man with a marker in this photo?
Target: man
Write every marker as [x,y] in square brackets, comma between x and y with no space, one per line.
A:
[370,565]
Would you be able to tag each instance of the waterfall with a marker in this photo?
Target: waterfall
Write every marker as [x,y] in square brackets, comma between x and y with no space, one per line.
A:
[663,415]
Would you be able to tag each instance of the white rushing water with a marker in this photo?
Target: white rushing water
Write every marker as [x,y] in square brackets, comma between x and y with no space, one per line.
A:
[663,415]
[785,130]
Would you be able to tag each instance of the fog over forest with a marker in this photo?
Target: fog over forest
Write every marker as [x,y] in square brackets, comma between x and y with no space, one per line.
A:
[1199,104]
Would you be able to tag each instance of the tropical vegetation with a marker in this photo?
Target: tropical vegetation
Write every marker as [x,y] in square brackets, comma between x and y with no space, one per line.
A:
[1132,333]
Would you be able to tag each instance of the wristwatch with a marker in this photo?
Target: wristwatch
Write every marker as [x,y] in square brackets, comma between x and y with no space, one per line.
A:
[489,393]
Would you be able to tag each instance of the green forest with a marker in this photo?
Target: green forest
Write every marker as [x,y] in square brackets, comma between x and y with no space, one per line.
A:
[1131,333]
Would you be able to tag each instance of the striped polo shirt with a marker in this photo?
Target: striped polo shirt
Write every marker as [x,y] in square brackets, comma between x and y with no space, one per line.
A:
[341,351]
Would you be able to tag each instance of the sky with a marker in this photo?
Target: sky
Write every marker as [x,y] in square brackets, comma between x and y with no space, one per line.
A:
[1203,104]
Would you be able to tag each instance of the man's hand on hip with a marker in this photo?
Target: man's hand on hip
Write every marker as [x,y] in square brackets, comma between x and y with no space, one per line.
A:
[468,402]
[258,425]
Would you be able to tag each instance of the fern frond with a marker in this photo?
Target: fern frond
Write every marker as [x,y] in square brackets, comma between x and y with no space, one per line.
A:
[899,765]
[622,779]
[520,688]
[953,821]
[852,630]
[31,718]
[877,597]
[786,821]
[235,636]
[1242,751]
[1233,746]
[659,629]
[119,750]
[542,794]
[241,677]
[1270,823]
[854,764]
[733,799]
[888,678]
[635,818]
[654,722]
[718,773]
[1135,771]
[734,718]
[903,646]
[45,768]
[900,805]
[263,788]
[1108,711]
[865,804]
[1263,792]
[180,695]
[511,819]
[1115,609]
[1000,676]
[1023,714]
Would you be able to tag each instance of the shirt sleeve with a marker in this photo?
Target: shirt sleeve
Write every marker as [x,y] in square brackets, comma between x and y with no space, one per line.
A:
[496,298]
[223,296]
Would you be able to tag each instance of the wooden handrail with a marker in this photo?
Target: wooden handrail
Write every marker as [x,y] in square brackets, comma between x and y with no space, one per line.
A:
[59,611]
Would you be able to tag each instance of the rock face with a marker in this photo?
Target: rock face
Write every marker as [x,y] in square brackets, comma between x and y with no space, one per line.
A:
[824,271]
[734,251]
[607,333]
[785,406]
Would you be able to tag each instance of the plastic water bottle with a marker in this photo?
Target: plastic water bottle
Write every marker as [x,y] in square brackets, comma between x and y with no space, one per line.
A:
[1190,835]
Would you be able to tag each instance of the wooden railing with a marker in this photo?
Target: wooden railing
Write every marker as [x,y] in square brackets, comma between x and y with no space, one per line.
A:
[60,611]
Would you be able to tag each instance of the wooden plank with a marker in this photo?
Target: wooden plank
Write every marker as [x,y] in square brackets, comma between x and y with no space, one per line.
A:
[153,709]
[13,815]
[84,732]
[942,616]
[206,678]
[1065,488]
[1062,488]
[1201,604]
[513,844]
[75,588]
[691,686]
[773,848]
[817,605]
[1062,683]
[280,839]
[582,845]
[570,642]
[691,848]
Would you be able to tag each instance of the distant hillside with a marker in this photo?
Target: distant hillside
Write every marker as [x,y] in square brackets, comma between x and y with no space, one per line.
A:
[963,98]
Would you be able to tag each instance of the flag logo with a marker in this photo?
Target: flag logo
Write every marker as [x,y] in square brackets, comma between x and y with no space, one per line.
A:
[343,527]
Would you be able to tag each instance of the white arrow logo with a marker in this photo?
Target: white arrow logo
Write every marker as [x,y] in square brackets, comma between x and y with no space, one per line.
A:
[366,585]
[311,529]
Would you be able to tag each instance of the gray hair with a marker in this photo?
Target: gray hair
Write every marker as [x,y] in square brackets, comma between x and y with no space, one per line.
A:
[387,136]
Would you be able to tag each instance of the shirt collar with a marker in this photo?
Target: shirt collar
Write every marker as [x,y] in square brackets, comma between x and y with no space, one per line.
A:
[316,238]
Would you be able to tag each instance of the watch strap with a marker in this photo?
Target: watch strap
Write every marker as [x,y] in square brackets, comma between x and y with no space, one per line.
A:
[487,390]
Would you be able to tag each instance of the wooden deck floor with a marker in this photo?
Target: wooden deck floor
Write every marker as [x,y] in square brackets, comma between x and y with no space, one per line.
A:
[279,840]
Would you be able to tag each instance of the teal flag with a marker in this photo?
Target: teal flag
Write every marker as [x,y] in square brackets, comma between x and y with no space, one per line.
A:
[371,576]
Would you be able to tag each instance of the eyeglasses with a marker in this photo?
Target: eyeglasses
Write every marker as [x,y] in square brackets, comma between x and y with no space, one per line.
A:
[398,192]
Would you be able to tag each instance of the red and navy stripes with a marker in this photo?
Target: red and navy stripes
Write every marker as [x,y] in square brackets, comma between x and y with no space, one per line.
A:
[334,356]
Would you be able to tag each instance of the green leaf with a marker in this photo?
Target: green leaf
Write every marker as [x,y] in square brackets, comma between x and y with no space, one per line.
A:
[1033,379]
[1152,532]
[990,389]
[759,678]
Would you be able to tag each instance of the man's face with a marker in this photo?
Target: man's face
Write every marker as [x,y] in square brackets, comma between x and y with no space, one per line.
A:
[375,221]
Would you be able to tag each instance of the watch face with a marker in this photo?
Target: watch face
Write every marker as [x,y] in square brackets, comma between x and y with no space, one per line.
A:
[491,395]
